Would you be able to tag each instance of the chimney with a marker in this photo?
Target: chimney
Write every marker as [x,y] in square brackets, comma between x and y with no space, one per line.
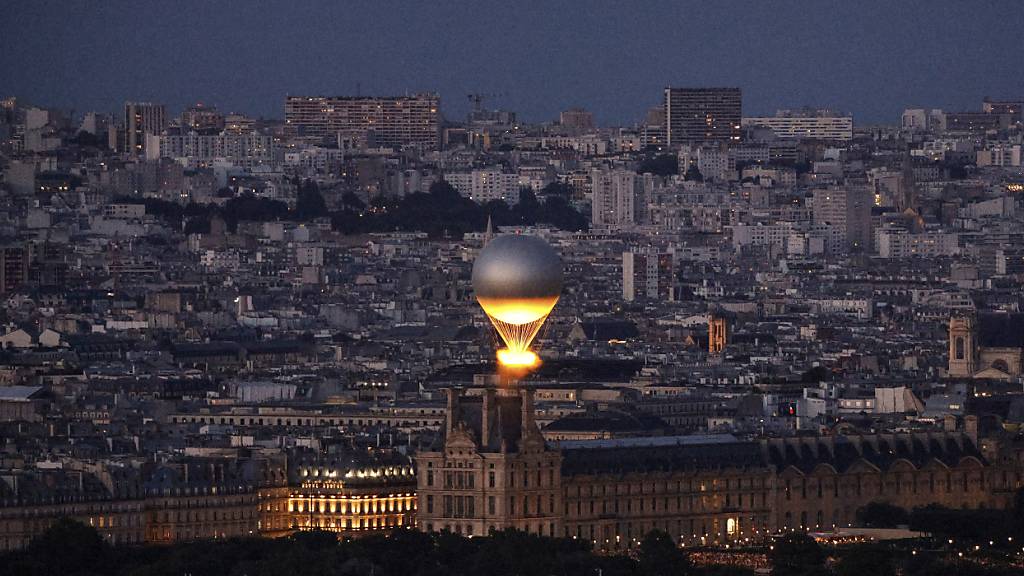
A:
[450,411]
[485,416]
[949,423]
[528,413]
[971,428]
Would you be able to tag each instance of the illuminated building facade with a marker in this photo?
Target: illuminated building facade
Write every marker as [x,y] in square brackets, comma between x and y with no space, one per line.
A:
[492,471]
[198,514]
[349,498]
[702,115]
[140,119]
[384,121]
[716,334]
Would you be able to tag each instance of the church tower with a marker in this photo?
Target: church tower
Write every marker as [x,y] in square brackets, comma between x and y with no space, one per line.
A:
[961,346]
[716,334]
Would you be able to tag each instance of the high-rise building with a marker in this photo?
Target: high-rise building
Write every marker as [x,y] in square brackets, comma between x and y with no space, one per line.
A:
[15,262]
[248,149]
[652,133]
[382,121]
[647,275]
[617,197]
[702,115]
[922,120]
[140,119]
[1012,108]
[806,124]
[202,117]
[847,208]
[576,121]
[975,123]
[485,185]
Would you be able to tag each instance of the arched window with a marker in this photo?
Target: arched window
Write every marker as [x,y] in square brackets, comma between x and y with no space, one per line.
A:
[1001,365]
[959,346]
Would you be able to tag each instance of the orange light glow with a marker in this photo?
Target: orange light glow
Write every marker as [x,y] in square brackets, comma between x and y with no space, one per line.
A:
[518,310]
[518,320]
[518,359]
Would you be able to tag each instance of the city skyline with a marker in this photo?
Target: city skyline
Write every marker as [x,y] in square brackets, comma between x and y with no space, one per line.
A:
[665,289]
[866,59]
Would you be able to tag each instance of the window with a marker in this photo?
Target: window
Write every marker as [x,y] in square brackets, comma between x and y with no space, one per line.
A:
[490,505]
[430,477]
[430,504]
[490,479]
[960,348]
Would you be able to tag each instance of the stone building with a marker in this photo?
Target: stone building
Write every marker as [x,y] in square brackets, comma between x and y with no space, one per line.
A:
[989,345]
[494,470]
[700,489]
[349,495]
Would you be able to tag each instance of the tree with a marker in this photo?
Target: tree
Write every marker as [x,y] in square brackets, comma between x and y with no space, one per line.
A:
[871,559]
[882,515]
[559,213]
[528,209]
[66,547]
[693,174]
[1017,515]
[660,165]
[815,375]
[556,189]
[309,203]
[659,556]
[797,554]
[443,190]
[351,201]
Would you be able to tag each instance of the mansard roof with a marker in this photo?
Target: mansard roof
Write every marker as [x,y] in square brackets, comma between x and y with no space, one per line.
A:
[880,450]
[622,459]
[804,454]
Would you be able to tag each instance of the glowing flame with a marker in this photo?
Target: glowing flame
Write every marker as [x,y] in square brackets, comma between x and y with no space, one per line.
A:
[518,359]
[518,320]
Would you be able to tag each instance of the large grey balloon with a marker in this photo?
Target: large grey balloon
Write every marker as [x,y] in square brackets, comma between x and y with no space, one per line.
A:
[516,266]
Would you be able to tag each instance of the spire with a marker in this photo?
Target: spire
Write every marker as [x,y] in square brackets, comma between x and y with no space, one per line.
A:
[490,231]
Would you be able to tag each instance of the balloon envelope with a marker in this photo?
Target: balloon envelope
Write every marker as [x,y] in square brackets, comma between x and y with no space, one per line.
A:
[517,278]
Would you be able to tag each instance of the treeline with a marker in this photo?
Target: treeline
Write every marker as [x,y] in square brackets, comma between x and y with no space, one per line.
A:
[974,524]
[442,212]
[71,548]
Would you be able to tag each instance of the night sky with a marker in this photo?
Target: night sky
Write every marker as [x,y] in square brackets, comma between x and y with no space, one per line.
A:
[872,58]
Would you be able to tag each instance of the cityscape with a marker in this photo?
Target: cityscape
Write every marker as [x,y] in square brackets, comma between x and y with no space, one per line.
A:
[420,332]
